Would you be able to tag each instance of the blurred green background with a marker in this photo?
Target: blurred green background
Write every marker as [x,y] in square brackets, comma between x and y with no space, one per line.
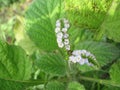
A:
[11,15]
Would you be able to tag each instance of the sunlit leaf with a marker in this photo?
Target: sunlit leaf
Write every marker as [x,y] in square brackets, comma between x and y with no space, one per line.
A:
[41,18]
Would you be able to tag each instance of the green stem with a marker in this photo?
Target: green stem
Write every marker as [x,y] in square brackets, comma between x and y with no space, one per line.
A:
[104,82]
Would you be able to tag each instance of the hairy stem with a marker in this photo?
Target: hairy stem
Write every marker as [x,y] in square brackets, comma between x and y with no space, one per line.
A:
[104,82]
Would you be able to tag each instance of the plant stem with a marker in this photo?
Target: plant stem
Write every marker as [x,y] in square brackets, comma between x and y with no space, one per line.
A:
[104,82]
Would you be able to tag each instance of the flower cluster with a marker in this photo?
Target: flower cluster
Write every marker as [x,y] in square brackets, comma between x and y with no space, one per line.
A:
[61,33]
[77,57]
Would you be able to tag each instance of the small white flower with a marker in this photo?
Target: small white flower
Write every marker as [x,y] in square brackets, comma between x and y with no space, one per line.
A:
[65,35]
[62,36]
[66,41]
[59,40]
[67,47]
[64,30]
[71,58]
[58,24]
[59,35]
[57,29]
[67,25]
[82,61]
[83,51]
[76,52]
[78,58]
[86,61]
[61,45]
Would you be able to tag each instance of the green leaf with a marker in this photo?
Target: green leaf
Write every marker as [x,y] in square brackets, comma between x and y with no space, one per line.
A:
[41,18]
[111,24]
[85,68]
[14,63]
[55,85]
[77,35]
[75,86]
[15,67]
[7,84]
[22,38]
[104,52]
[53,64]
[87,13]
[115,72]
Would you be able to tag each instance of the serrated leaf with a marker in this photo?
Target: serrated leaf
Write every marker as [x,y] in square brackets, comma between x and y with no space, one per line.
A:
[10,84]
[75,86]
[115,72]
[41,18]
[14,62]
[87,13]
[53,64]
[55,85]
[111,24]
[104,52]
[14,66]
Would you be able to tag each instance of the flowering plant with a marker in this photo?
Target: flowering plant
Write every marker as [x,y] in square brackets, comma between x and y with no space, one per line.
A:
[66,45]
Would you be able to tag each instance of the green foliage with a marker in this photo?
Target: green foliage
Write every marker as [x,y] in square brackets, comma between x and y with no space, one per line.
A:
[41,22]
[55,85]
[14,63]
[52,64]
[38,64]
[15,67]
[6,30]
[7,2]
[75,86]
[22,39]
[115,72]
[87,13]
[111,24]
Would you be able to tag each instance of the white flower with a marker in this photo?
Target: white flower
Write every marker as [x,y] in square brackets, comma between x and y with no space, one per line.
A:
[57,29]
[67,47]
[78,58]
[72,59]
[65,35]
[86,61]
[83,51]
[76,52]
[66,41]
[67,25]
[59,35]
[61,45]
[64,30]
[58,24]
[62,36]
[82,61]
[59,40]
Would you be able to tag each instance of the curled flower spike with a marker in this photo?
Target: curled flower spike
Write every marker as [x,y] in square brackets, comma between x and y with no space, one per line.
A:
[61,33]
[77,57]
